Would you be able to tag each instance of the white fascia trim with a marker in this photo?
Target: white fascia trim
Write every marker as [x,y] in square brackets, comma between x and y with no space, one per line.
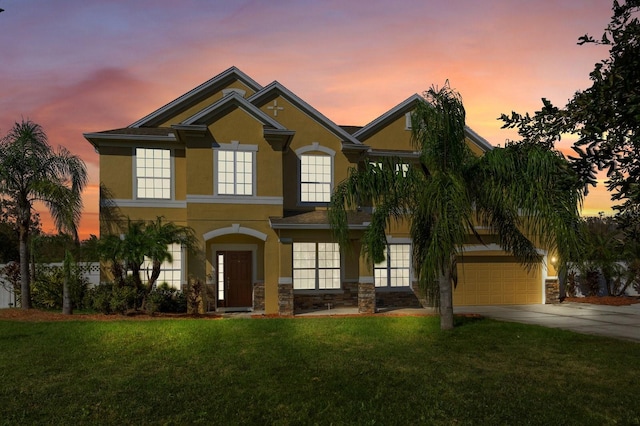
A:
[385,118]
[477,139]
[203,87]
[233,199]
[170,137]
[495,247]
[304,107]
[311,226]
[170,204]
[234,99]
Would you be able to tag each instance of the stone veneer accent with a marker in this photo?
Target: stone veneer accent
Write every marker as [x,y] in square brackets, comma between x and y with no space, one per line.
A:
[258,296]
[366,298]
[397,299]
[285,299]
[552,291]
[347,297]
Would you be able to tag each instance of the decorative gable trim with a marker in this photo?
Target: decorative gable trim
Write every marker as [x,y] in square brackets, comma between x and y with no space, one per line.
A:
[233,100]
[193,96]
[477,139]
[277,89]
[403,108]
[278,136]
[385,119]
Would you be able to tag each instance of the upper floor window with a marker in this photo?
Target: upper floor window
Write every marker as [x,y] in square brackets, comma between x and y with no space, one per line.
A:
[235,165]
[153,173]
[315,178]
[316,266]
[395,269]
[316,173]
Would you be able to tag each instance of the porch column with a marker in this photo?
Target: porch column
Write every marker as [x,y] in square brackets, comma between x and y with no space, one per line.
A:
[285,278]
[271,271]
[366,287]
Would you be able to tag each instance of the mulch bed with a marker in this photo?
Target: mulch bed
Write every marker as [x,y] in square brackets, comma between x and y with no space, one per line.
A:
[37,315]
[605,300]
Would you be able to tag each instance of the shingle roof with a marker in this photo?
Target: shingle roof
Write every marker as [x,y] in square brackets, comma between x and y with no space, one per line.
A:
[318,219]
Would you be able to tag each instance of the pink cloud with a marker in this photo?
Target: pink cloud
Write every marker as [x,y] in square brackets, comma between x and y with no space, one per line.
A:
[90,66]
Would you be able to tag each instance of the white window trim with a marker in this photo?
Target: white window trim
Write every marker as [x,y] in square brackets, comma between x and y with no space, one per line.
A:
[134,173]
[315,147]
[397,241]
[235,146]
[316,288]
[147,263]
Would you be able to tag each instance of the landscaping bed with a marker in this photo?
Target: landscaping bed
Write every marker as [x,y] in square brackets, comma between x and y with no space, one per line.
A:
[605,300]
[18,314]
[39,315]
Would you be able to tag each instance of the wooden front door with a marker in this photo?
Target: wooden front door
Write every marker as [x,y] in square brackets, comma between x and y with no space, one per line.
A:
[237,280]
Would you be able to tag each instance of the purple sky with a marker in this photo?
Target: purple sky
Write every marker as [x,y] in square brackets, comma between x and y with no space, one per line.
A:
[78,66]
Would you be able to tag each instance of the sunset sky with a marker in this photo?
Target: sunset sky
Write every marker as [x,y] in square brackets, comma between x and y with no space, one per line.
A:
[77,66]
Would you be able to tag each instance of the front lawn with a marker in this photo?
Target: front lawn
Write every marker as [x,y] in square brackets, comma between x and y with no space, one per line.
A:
[368,370]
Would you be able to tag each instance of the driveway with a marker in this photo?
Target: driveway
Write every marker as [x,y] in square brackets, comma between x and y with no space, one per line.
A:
[622,322]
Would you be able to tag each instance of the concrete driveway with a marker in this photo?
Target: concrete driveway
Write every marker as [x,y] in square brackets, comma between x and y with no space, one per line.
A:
[622,322]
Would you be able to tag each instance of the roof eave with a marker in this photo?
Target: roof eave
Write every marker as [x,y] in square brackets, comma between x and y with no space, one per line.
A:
[477,139]
[98,139]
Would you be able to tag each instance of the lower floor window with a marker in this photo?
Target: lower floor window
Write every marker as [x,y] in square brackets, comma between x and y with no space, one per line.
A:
[316,266]
[170,271]
[395,269]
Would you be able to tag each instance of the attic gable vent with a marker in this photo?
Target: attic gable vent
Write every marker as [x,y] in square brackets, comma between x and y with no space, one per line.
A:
[241,92]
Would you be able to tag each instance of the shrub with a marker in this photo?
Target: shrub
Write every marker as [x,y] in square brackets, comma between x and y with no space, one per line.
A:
[166,299]
[99,298]
[46,290]
[110,298]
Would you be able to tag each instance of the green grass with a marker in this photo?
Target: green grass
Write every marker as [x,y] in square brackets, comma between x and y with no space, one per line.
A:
[370,370]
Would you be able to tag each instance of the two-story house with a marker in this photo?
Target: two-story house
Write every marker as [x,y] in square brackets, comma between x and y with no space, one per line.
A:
[251,169]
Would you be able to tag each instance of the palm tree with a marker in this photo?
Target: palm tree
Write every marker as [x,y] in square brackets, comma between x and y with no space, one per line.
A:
[143,241]
[517,191]
[161,235]
[31,171]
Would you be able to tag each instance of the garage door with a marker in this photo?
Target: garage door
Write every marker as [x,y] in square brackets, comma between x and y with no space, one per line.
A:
[499,282]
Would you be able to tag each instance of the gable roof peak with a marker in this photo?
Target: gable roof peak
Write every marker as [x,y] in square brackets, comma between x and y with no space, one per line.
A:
[197,94]
[277,88]
[403,108]
[384,119]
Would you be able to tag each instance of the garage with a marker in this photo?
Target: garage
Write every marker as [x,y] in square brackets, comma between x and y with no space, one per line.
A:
[496,280]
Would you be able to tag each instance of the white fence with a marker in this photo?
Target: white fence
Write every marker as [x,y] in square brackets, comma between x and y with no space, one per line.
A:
[90,270]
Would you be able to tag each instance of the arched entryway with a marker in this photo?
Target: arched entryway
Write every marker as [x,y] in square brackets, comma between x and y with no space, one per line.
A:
[235,257]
